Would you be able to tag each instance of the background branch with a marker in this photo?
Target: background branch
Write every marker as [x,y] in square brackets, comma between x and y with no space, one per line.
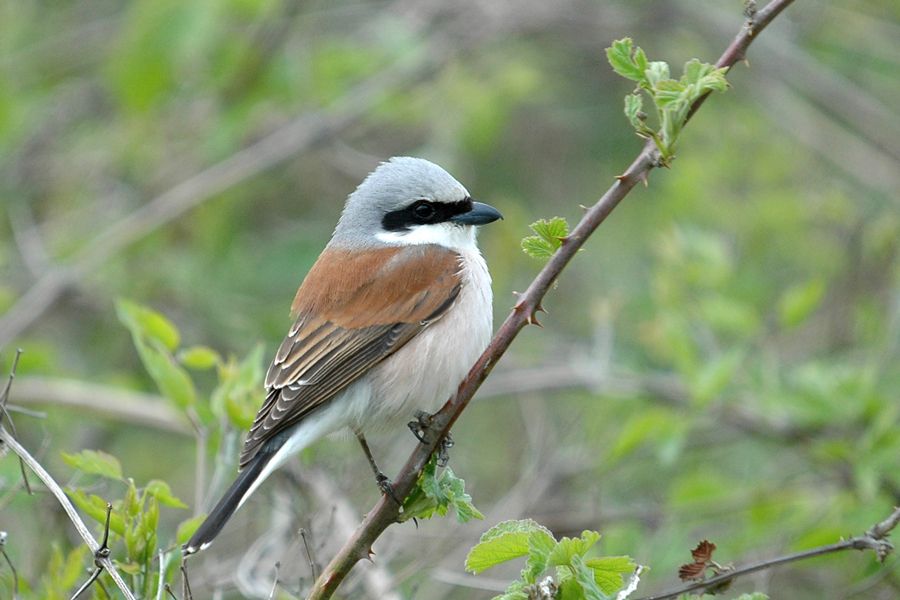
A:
[385,511]
[874,539]
[295,136]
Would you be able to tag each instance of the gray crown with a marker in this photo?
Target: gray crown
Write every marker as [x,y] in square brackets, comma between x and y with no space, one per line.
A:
[392,186]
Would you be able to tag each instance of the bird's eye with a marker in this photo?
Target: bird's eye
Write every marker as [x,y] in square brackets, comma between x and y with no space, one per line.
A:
[423,210]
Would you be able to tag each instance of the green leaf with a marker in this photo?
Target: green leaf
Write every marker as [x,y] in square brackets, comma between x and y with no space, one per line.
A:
[513,594]
[147,323]
[172,380]
[160,490]
[199,358]
[187,528]
[800,301]
[502,542]
[569,588]
[95,507]
[540,544]
[694,70]
[633,105]
[610,572]
[715,375]
[238,394]
[626,61]
[94,462]
[132,504]
[63,572]
[568,548]
[550,234]
[639,429]
[585,578]
[437,492]
[132,568]
[656,72]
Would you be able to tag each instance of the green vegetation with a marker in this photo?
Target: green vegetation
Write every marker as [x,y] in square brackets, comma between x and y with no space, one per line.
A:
[719,363]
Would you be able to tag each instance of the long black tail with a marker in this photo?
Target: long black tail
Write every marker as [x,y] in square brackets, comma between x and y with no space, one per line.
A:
[226,506]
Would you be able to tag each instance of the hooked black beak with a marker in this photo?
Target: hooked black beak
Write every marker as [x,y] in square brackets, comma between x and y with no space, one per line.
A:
[481,214]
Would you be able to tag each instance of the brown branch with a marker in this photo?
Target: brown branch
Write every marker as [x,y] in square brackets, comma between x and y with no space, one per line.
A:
[874,539]
[385,512]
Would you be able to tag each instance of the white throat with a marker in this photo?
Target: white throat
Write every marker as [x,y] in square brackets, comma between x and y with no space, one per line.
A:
[449,235]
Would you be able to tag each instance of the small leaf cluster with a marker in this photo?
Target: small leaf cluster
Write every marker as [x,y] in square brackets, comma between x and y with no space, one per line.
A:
[576,576]
[237,394]
[134,519]
[436,492]
[672,98]
[134,531]
[549,236]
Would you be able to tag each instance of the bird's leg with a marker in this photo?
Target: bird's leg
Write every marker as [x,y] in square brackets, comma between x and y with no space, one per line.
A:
[384,484]
[419,427]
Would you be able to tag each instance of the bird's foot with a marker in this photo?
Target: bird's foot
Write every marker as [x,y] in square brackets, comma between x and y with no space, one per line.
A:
[419,426]
[387,487]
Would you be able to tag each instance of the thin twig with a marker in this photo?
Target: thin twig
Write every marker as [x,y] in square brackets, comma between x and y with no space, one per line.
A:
[185,583]
[101,553]
[385,512]
[275,582]
[309,556]
[874,539]
[15,574]
[70,511]
[4,414]
[94,575]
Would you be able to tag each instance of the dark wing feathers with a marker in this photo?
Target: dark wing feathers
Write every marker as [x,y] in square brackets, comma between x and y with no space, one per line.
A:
[353,310]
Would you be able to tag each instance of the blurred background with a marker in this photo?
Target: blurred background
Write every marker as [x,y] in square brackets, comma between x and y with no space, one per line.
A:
[720,362]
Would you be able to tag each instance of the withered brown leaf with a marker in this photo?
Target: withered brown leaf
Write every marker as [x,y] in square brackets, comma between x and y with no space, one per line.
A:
[702,555]
[689,571]
[703,552]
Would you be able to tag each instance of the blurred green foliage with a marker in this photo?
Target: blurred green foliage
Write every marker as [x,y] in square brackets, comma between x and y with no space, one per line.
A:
[720,362]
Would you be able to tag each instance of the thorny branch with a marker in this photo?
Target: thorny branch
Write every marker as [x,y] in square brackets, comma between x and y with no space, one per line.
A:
[874,539]
[385,512]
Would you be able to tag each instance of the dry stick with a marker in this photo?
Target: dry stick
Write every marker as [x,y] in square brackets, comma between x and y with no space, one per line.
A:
[4,398]
[63,500]
[385,512]
[874,539]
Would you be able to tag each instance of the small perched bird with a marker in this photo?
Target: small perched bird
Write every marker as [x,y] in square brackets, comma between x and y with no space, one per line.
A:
[389,319]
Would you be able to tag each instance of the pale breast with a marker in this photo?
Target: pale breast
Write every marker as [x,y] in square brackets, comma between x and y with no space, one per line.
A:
[427,370]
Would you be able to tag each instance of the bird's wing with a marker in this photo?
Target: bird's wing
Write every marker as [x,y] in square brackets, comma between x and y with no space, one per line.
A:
[353,310]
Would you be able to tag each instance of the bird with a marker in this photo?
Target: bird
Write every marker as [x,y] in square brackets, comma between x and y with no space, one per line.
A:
[388,321]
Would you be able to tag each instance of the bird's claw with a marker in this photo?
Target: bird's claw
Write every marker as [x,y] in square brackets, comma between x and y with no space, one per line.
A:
[387,487]
[420,425]
[443,450]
